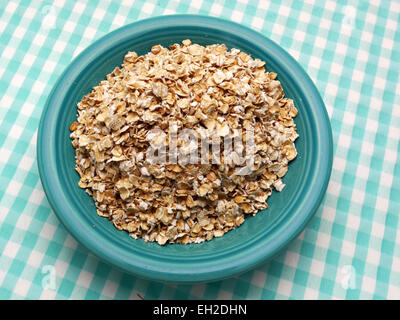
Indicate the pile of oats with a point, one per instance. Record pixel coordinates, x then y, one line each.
218 94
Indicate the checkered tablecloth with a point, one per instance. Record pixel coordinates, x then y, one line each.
351 247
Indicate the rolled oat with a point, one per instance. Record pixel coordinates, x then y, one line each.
137 136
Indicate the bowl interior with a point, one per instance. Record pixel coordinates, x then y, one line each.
255 232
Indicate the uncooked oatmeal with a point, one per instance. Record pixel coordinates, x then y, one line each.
182 144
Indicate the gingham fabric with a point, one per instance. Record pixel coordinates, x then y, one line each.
351 247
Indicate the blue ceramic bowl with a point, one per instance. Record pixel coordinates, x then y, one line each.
242 249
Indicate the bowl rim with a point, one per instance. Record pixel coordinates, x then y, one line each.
212 272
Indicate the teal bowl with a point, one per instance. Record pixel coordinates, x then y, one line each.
260 237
